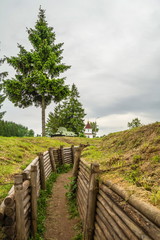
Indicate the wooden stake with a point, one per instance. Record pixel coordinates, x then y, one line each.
52 159
73 152
91 203
77 156
42 173
20 223
62 154
34 199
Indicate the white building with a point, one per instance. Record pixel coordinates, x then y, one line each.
88 131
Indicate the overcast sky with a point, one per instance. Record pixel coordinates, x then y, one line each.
113 47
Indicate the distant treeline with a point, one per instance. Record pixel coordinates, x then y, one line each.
11 129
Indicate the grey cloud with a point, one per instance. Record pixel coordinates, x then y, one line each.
113 47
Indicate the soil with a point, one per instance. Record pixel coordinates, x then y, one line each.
58 224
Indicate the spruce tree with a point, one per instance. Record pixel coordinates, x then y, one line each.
69 114
37 78
2 97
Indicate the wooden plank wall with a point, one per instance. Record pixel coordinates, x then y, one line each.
115 217
10 208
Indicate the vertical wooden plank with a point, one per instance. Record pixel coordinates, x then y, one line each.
91 203
42 173
20 223
77 156
34 199
62 155
52 159
73 153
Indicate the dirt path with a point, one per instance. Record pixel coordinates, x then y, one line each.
58 225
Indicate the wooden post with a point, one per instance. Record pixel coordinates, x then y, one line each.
77 156
52 159
42 173
62 154
73 153
20 223
76 163
34 199
91 203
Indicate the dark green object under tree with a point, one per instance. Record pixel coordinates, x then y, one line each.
37 78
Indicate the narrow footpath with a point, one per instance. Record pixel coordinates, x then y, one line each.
58 225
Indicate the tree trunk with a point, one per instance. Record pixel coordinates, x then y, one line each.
43 116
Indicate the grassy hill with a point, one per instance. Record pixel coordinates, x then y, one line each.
16 153
131 158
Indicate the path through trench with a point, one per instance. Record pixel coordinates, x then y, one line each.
58 224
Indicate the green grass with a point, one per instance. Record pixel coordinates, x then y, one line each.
16 153
131 157
42 205
72 207
43 198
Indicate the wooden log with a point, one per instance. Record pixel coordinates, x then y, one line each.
84 174
26 185
20 226
9 200
2 209
84 169
9 220
10 230
34 200
26 193
131 225
45 153
46 164
85 164
59 157
46 157
48 168
76 161
107 225
103 228
9 211
99 232
91 203
116 218
28 228
26 201
151 212
48 173
62 154
52 159
146 225
42 172
113 225
27 209
82 185
81 208
83 197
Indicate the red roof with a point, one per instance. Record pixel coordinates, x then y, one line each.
88 126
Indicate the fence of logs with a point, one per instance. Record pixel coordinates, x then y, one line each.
18 211
108 212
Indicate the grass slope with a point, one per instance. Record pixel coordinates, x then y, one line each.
16 153
131 158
